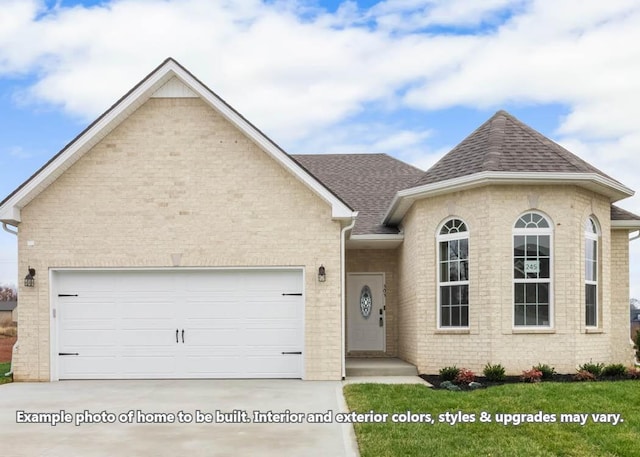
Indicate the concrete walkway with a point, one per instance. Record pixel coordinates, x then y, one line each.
238 398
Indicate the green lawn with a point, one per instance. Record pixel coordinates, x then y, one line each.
4 368
493 439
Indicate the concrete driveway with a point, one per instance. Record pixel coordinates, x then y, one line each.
128 403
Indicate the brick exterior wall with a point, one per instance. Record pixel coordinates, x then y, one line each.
177 178
380 261
490 213
621 345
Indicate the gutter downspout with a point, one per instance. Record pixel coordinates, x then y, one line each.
343 281
13 232
8 230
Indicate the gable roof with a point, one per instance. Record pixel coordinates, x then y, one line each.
504 150
168 78
367 182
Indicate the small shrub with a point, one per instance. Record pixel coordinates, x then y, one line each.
493 373
531 375
584 375
594 368
633 373
465 376
449 373
636 341
547 371
614 370
449 386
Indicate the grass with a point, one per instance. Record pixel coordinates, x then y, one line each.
4 368
493 439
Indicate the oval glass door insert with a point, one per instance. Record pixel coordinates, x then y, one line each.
366 302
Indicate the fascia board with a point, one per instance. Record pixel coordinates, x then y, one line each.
403 199
625 224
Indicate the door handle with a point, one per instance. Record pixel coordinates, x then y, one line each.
177 341
183 335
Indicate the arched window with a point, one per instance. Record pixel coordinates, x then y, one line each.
591 237
453 275
532 274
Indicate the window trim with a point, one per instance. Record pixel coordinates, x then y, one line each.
444 238
524 232
590 236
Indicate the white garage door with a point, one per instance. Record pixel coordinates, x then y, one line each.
179 324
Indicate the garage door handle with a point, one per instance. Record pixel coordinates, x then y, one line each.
68 353
183 335
294 352
177 340
297 295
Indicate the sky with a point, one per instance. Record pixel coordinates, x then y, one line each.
410 78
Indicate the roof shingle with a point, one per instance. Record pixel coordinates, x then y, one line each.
366 182
619 214
504 144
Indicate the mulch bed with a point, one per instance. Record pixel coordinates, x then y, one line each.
434 380
6 346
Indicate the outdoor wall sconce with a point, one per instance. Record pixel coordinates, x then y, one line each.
322 275
29 280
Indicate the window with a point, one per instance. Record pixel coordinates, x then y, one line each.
532 271
453 277
591 272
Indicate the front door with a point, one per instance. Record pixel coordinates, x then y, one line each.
365 312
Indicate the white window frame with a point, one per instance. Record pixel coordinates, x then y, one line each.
444 238
524 232
590 236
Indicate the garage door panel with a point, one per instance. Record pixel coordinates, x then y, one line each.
147 338
214 365
236 324
266 310
90 338
209 309
272 337
221 337
144 310
145 365
272 367
80 310
78 367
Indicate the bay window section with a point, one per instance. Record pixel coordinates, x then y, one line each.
453 275
532 271
591 272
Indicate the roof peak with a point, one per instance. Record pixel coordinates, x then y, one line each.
503 143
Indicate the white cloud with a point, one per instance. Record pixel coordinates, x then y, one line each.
306 76
409 15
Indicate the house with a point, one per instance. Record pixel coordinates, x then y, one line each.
173 239
8 311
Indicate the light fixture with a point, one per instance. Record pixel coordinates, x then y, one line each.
29 280
322 275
